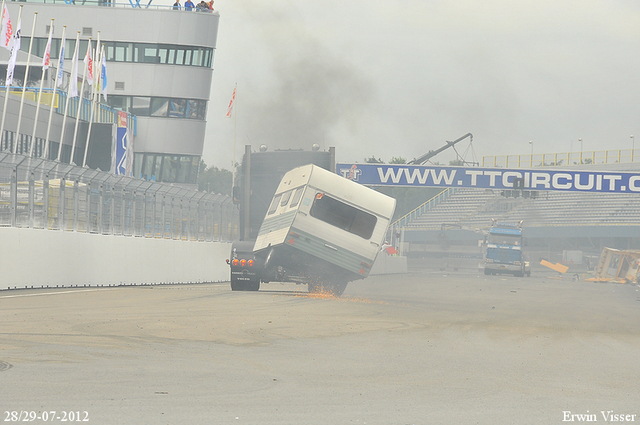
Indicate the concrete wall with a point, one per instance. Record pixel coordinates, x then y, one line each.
41 258
389 264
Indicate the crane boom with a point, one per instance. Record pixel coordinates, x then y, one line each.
424 158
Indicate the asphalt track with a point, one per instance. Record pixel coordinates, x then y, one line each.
422 348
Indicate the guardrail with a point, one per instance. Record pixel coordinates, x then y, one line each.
563 159
144 4
421 209
103 113
43 194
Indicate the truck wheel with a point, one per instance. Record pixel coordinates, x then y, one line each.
337 288
486 271
237 285
254 285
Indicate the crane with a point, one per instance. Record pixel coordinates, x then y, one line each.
427 156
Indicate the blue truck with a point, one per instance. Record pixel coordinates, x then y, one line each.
504 250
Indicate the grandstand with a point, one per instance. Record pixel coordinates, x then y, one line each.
554 221
474 208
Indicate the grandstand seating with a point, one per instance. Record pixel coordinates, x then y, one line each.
474 209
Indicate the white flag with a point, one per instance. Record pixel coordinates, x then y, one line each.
46 59
15 46
6 32
88 60
73 84
60 68
233 100
103 76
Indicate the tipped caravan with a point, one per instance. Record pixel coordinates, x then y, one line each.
321 229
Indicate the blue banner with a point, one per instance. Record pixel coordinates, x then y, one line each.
122 145
490 178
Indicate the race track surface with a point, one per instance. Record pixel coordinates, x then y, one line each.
427 347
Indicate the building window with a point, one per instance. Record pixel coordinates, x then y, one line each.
177 108
166 168
160 106
119 102
170 168
141 106
184 170
128 52
163 52
197 57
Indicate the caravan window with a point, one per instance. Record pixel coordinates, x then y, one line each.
274 204
285 198
296 197
346 217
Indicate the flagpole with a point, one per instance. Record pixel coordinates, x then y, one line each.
53 96
97 75
235 126
92 104
66 104
103 76
1 23
39 95
7 91
2 15
235 132
6 94
26 77
80 104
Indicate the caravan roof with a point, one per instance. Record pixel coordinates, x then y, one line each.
339 187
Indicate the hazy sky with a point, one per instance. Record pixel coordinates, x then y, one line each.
400 78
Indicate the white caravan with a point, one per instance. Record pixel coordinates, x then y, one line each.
321 229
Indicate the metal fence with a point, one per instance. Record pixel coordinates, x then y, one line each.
563 159
423 208
44 194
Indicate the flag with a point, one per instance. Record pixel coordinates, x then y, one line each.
15 46
46 59
233 100
88 61
60 69
73 84
103 76
7 29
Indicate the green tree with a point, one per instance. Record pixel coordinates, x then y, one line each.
456 163
398 160
214 179
373 160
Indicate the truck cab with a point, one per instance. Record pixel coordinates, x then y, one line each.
504 250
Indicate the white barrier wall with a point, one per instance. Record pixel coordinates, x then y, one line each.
389 264
40 258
